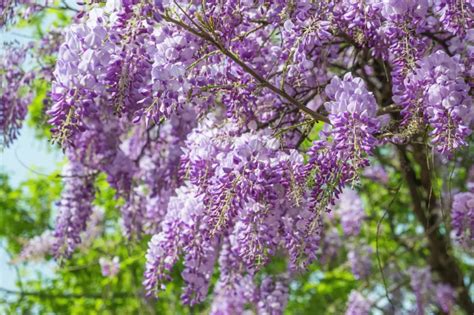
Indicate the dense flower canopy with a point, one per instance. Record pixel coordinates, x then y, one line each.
201 115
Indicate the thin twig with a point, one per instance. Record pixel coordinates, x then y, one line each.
48 295
379 261
204 35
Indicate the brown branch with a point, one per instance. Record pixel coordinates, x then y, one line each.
204 35
379 261
388 109
47 295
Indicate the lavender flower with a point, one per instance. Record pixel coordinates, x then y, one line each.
109 267
352 112
37 248
376 173
273 296
351 212
437 91
234 290
446 297
75 209
462 217
357 304
15 95
360 259
454 15
178 234
421 283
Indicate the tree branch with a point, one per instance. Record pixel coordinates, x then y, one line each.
47 295
204 35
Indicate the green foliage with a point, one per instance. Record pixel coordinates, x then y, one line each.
26 210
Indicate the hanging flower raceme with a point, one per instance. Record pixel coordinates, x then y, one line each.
359 258
103 68
357 304
361 20
37 248
455 15
353 111
405 21
462 217
181 233
75 209
15 95
351 211
109 267
273 296
437 91
421 284
338 160
157 172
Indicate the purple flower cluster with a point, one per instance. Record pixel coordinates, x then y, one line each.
359 258
361 20
352 112
351 211
109 267
437 91
445 297
11 10
455 15
357 304
75 209
339 159
233 289
428 293
462 217
103 68
422 285
405 21
173 52
37 248
180 234
15 95
376 173
196 115
273 296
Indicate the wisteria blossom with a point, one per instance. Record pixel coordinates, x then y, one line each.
234 136
357 304
351 211
15 96
109 267
462 217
